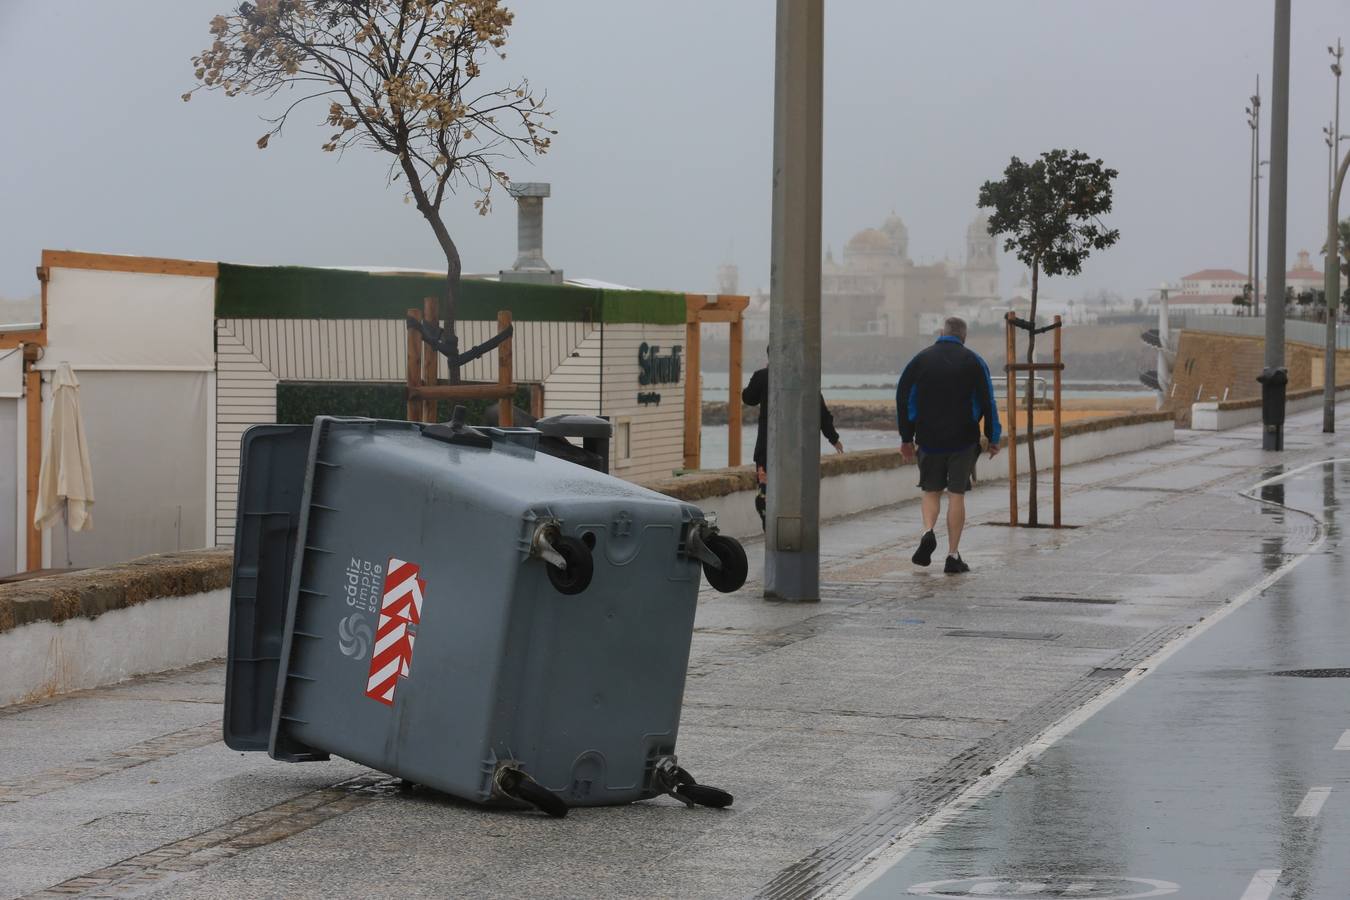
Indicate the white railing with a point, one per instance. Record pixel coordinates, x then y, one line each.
1304 332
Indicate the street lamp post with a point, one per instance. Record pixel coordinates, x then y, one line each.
1256 285
1254 123
1331 283
792 524
1272 413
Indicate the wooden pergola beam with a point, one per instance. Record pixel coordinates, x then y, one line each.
703 309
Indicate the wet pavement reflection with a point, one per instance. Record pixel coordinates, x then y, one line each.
1211 778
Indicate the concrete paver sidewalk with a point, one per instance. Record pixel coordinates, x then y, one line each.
835 724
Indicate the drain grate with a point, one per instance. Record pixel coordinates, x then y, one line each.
1037 598
1101 672
1004 635
1314 673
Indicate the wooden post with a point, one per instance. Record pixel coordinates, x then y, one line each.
736 370
1012 419
537 400
1059 373
693 396
430 362
33 408
505 416
414 369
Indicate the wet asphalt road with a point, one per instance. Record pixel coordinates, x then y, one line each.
1212 777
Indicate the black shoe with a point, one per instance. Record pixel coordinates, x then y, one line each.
924 555
956 565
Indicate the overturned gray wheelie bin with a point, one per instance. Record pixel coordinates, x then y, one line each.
451 606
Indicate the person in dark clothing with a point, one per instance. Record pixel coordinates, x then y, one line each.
756 393
942 395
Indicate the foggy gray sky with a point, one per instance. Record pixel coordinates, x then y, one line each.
661 170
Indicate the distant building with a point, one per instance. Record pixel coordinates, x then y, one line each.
1212 281
756 317
1212 291
877 289
728 279
979 276
1303 277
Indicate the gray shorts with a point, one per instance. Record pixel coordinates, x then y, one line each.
951 472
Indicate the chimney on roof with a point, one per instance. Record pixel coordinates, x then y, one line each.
530 265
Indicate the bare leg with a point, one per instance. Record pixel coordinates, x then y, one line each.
932 505
956 520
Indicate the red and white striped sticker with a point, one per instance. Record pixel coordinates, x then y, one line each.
400 611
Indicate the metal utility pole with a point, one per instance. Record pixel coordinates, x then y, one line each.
1327 131
1254 123
1256 287
1164 342
1272 414
792 528
1331 283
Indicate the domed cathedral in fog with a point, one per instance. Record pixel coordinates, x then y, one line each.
875 288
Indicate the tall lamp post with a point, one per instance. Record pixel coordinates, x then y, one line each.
792 525
1327 131
1331 285
1272 412
1256 284
1253 198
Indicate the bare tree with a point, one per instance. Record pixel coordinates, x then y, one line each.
400 77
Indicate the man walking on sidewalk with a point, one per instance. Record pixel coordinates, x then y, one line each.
943 394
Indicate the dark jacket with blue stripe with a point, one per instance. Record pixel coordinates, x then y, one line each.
943 394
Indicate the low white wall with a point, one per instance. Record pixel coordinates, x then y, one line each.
41 659
1208 416
855 492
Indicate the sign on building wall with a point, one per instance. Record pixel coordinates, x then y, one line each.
656 368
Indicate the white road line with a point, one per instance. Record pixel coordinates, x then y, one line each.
1312 802
1262 885
1344 742
877 863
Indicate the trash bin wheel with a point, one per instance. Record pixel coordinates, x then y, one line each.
735 567
580 566
541 798
519 786
704 795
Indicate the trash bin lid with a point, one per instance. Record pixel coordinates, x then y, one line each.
1273 376
574 426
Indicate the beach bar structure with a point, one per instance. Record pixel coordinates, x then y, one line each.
177 358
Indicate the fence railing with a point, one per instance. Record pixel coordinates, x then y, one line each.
1314 333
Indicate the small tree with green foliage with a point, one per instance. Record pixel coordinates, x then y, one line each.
1049 212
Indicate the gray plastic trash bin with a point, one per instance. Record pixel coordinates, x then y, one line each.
448 605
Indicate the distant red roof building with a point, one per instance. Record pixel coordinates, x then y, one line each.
1215 275
1213 281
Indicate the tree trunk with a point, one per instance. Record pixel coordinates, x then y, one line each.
453 270
453 265
1031 396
